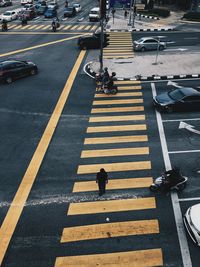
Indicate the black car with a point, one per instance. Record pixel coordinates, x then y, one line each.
69 11
178 99
41 10
12 69
92 41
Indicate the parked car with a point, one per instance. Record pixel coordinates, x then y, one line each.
9 15
53 5
192 223
94 14
178 99
50 13
28 7
77 7
149 43
41 10
40 3
27 14
92 41
24 2
11 70
4 3
69 11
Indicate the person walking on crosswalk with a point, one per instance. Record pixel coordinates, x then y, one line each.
102 180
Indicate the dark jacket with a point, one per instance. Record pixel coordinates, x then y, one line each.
102 177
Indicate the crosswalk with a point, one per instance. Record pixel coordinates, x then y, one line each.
120 45
45 27
119 144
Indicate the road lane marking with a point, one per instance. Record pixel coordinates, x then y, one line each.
117 102
38 46
118 95
113 184
115 139
118 128
134 87
108 230
115 152
189 199
105 206
117 118
194 119
184 151
114 167
118 109
13 215
128 82
139 258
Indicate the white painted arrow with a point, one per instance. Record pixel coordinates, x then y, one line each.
174 84
175 49
187 126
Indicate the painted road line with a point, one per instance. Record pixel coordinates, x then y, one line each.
12 26
134 87
108 230
118 95
139 258
117 118
114 167
118 109
13 215
81 27
117 102
87 27
67 27
61 27
94 28
118 128
39 46
115 139
74 27
32 27
113 184
118 53
39 27
115 152
128 82
46 27
111 206
18 27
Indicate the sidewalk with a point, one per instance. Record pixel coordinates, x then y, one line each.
169 64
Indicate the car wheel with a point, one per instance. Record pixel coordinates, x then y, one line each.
33 72
9 79
169 109
161 47
143 49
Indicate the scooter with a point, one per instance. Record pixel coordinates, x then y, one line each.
159 183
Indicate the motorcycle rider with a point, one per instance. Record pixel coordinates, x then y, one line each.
172 178
4 25
55 23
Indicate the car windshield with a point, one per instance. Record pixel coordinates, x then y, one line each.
176 94
94 12
7 14
69 8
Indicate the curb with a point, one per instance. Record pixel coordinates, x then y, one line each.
143 30
146 16
88 70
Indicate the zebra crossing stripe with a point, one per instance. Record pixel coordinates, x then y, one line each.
80 27
117 102
67 27
114 184
118 128
115 139
134 87
39 27
105 206
12 26
74 27
46 27
142 258
32 27
87 27
117 118
118 109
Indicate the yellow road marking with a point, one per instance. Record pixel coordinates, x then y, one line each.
81 27
67 27
127 82
42 33
117 118
114 167
94 28
116 50
39 27
38 46
118 109
87 27
12 26
61 27
108 230
113 184
46 27
140 258
32 27
12 217
120 54
17 27
114 56
119 95
116 139
117 102
111 206
119 128
74 27
134 87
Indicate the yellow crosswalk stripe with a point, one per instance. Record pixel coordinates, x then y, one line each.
74 27
61 27
94 28
115 139
118 95
117 102
18 27
113 184
118 109
117 118
114 167
117 50
115 152
122 56
111 206
140 258
32 27
118 54
39 27
12 26
119 128
46 27
134 87
87 27
108 230
81 27
67 27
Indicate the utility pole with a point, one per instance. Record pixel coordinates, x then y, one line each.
102 17
130 13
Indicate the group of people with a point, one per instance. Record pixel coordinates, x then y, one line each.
105 81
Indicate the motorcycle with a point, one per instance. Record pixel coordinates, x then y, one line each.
160 183
4 27
106 87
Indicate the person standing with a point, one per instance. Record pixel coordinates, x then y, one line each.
125 14
102 180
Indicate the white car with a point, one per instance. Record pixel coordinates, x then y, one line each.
77 7
9 15
192 223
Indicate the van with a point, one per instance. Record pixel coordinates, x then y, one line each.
23 2
5 3
94 14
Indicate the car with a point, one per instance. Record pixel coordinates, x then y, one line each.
4 3
41 10
69 12
50 13
52 5
149 43
27 14
9 15
24 2
94 14
92 41
28 7
192 223
77 7
12 69
183 98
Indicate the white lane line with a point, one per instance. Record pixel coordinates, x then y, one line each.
184 151
194 119
190 38
174 197
189 199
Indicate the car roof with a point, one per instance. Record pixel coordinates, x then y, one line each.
10 61
187 91
95 9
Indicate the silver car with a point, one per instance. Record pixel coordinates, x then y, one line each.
149 43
